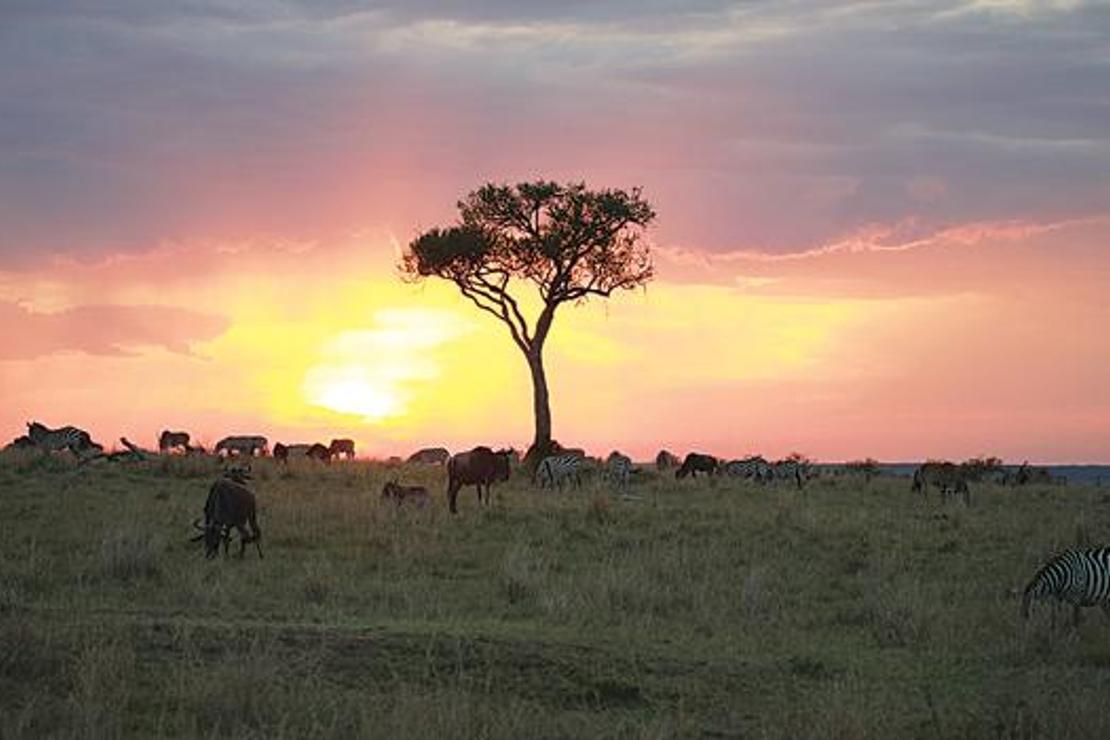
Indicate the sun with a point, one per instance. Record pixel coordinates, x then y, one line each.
349 390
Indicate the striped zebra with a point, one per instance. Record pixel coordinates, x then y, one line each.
558 470
792 470
618 468
243 445
1077 577
168 440
69 438
948 478
750 468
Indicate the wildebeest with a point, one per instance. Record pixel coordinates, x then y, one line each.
666 460
342 448
695 463
168 441
416 495
948 477
1027 474
479 467
430 456
230 504
314 451
69 438
20 443
243 445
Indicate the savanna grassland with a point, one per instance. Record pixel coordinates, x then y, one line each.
714 608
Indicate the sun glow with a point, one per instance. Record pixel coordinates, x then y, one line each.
370 373
349 391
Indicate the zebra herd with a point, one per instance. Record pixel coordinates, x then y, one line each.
1076 577
567 468
81 444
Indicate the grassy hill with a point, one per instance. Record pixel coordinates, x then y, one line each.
707 608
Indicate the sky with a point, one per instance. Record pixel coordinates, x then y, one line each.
882 226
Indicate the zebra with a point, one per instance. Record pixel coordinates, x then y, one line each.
69 438
750 468
1078 577
248 445
949 479
557 470
168 440
791 469
618 468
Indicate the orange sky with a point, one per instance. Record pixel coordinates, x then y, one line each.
986 340
882 227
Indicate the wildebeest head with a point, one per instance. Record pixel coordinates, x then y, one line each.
212 534
502 465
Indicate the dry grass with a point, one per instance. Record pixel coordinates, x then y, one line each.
684 608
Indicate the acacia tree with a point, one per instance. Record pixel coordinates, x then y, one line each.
568 242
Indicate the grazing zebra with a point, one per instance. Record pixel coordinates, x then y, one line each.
168 440
69 438
618 468
314 451
949 479
750 468
666 460
1078 577
243 445
342 448
558 470
791 469
430 456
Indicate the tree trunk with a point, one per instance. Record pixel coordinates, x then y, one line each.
541 407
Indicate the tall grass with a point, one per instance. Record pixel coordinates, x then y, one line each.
686 608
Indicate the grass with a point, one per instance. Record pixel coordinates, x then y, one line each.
707 608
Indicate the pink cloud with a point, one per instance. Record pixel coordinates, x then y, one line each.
102 330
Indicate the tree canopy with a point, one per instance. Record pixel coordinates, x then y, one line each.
570 242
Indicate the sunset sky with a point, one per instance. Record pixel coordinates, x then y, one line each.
883 230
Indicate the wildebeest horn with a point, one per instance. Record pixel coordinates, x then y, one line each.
196 523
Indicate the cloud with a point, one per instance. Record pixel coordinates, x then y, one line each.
102 330
774 124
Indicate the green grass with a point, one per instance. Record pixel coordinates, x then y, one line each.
706 608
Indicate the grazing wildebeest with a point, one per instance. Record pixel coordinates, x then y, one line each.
167 441
344 448
21 443
479 467
416 495
618 468
69 438
948 477
230 504
666 460
243 445
430 456
314 451
695 463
